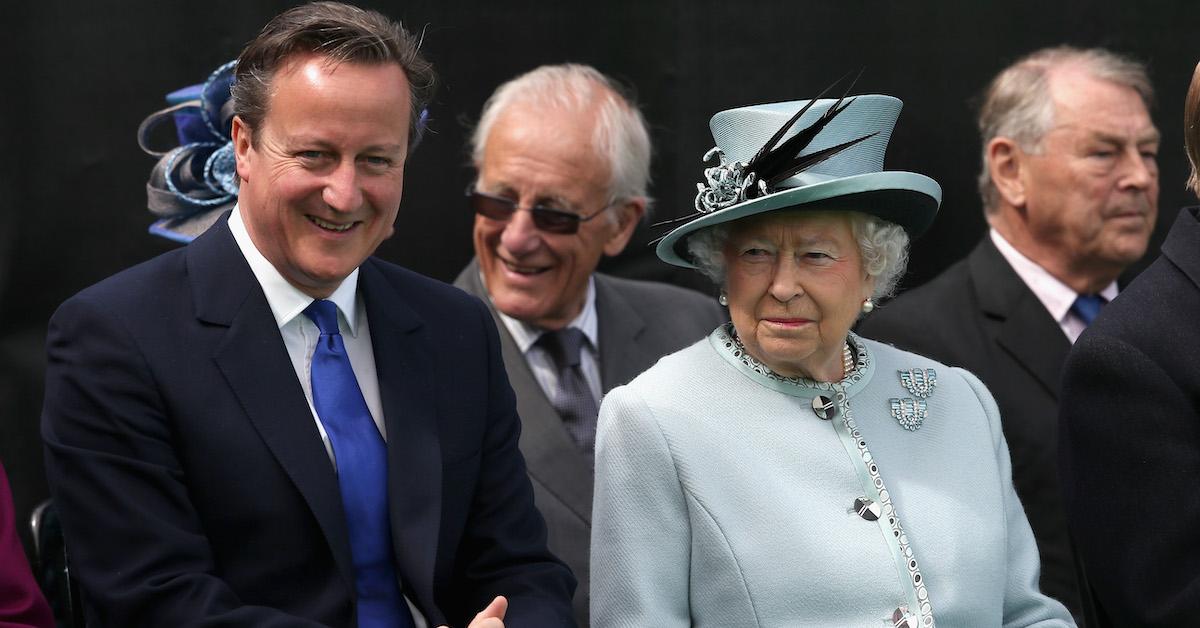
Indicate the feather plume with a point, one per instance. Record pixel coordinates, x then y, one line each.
774 164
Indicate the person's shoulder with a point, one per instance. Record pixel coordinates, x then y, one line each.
417 288
677 369
890 359
664 301
652 289
932 298
132 288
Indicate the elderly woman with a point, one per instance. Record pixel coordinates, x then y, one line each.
784 471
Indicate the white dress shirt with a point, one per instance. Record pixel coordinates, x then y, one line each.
1055 295
300 334
540 362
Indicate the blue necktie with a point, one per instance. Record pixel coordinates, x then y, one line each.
361 457
1087 306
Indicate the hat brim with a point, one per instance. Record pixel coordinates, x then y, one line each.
907 199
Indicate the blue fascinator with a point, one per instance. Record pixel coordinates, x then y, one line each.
195 182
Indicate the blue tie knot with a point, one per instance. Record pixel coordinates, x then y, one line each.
324 314
1087 306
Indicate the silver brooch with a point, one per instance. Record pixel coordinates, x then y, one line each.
727 184
911 413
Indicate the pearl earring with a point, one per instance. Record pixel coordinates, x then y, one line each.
867 306
723 299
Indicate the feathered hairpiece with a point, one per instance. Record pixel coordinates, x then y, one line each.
728 184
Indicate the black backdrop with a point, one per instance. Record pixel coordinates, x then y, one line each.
87 73
79 76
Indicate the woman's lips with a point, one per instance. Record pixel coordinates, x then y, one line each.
787 322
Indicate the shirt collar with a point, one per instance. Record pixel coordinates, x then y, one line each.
525 334
287 301
1056 296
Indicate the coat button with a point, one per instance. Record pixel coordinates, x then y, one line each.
866 509
824 407
901 617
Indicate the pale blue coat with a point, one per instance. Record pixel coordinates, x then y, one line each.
722 499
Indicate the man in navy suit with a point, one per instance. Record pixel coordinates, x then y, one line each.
219 419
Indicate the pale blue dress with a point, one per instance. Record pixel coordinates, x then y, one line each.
723 499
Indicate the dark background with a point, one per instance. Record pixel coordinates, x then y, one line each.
78 77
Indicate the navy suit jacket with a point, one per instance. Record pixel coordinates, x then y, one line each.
1130 444
193 485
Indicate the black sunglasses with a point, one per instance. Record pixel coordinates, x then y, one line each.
544 218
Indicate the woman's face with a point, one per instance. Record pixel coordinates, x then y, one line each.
795 283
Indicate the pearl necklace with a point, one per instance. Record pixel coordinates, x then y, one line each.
847 360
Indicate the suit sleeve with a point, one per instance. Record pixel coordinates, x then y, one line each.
641 537
135 541
504 545
1024 604
1130 461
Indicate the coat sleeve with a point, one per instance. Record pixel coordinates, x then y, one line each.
1024 604
136 542
641 535
1130 461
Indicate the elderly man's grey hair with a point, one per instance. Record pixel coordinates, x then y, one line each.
620 136
882 244
1018 105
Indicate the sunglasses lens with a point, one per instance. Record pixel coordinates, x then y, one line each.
492 207
555 221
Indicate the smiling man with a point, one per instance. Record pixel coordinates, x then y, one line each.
270 427
564 162
1070 190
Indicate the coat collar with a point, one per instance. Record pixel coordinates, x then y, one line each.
1025 329
1181 248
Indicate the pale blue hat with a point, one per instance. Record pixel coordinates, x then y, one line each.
829 157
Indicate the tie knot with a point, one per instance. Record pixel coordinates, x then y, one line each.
563 345
324 314
1087 306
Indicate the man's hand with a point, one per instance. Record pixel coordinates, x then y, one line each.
490 617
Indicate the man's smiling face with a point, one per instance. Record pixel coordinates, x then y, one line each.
547 158
322 179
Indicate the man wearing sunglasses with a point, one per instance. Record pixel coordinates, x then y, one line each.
563 160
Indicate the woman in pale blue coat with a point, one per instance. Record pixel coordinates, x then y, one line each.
784 471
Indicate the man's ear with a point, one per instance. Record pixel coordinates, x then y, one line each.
1006 166
242 147
629 213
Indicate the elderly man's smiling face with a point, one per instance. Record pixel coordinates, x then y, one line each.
546 157
322 180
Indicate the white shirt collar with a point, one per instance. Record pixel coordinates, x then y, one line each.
525 334
1056 296
287 301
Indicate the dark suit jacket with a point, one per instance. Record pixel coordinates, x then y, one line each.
979 315
638 323
192 482
1130 443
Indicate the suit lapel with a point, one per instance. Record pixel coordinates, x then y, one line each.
255 363
1180 245
551 457
402 348
1026 330
619 327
